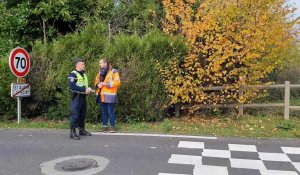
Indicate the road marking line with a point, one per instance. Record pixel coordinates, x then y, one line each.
185 159
241 147
247 164
277 172
170 174
280 157
154 135
216 153
296 165
291 150
211 170
193 145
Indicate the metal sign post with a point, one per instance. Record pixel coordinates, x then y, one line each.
19 109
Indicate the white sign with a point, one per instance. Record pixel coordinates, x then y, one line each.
19 62
20 90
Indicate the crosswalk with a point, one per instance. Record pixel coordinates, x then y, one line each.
236 159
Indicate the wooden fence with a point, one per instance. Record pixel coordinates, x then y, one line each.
286 104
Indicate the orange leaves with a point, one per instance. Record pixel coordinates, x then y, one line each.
227 40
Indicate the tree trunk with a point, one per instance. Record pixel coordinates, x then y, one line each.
44 31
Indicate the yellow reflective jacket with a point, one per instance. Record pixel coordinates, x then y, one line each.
81 81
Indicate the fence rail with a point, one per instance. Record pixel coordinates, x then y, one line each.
286 104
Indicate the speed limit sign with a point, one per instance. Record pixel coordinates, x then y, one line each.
19 62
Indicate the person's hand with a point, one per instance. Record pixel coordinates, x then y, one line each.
99 85
88 90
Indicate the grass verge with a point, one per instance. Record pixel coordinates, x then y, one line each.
246 126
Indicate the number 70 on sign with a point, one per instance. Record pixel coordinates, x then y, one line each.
19 62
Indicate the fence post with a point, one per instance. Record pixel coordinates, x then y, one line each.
287 100
177 110
241 94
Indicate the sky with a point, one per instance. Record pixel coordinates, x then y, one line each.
298 6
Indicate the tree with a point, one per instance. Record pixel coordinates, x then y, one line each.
52 10
13 22
231 43
135 16
24 21
70 13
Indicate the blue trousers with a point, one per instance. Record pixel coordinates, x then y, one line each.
78 111
108 111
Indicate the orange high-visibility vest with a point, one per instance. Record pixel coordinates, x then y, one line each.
108 93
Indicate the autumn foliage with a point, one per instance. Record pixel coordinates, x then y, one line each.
231 43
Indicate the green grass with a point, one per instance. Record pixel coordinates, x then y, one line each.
295 101
229 126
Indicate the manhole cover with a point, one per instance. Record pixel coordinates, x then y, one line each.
76 164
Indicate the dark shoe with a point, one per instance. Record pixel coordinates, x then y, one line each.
104 129
83 132
73 134
112 130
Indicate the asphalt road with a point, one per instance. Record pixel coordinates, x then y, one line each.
22 151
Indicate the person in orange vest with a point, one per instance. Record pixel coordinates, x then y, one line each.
107 82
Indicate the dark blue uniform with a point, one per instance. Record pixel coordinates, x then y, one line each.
78 102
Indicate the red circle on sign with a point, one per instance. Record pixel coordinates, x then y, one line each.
12 56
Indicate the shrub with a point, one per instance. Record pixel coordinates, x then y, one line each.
52 63
229 45
8 105
141 94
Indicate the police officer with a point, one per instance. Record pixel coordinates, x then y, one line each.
78 84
